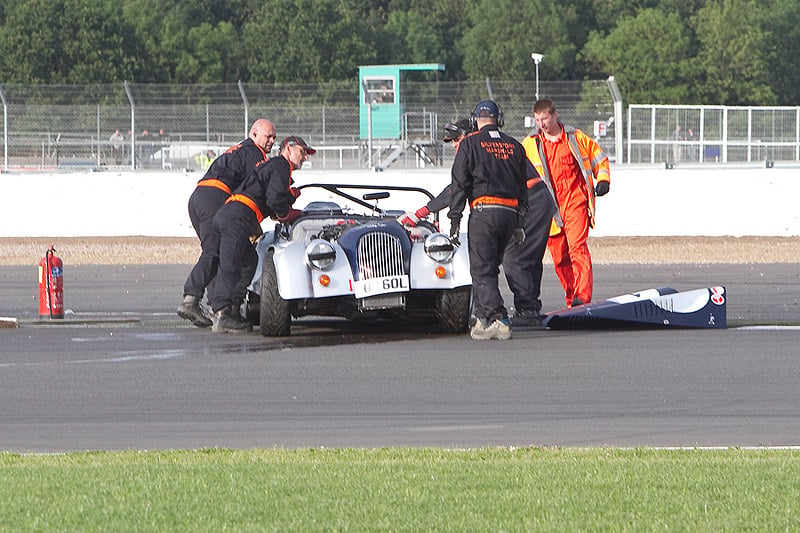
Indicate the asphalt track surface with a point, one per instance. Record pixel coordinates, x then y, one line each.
121 371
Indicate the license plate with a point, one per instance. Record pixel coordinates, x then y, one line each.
371 287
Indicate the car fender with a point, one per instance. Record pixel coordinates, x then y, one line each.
457 269
263 244
297 279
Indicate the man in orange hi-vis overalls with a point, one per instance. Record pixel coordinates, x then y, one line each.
575 169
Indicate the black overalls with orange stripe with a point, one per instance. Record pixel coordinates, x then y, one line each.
522 264
224 175
489 172
264 193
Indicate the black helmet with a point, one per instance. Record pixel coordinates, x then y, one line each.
453 131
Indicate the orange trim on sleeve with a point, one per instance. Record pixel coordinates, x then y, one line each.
533 181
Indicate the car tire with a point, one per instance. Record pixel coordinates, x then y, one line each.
453 309
276 317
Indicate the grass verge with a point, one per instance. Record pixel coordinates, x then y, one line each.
400 489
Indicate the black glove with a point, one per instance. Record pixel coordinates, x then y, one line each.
519 235
454 229
601 188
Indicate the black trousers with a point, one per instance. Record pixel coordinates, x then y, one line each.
490 229
522 264
234 223
203 205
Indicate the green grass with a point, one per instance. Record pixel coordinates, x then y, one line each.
399 489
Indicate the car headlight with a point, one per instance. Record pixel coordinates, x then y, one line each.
320 254
439 248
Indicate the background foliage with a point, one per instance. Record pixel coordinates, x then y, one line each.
730 52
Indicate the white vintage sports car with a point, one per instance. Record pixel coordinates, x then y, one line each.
350 258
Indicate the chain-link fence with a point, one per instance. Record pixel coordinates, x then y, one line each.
48 127
174 126
686 134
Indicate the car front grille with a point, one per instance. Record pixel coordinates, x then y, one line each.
379 255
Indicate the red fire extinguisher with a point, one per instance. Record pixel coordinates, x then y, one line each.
51 285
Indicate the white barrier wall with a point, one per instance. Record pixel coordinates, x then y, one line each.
643 201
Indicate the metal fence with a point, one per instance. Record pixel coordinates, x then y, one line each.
172 126
686 134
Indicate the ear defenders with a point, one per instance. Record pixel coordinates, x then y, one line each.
489 108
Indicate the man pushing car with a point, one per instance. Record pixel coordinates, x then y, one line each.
265 192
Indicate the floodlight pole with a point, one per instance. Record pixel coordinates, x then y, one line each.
371 97
537 58
5 130
133 123
246 104
618 132
369 135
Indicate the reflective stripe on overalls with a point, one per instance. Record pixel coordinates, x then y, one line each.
494 202
246 200
214 182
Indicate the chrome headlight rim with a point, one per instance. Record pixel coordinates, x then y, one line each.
320 254
439 248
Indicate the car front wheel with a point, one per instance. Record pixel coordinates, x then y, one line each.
453 309
276 317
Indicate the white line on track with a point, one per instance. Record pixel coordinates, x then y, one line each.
770 328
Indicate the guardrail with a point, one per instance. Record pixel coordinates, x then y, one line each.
675 134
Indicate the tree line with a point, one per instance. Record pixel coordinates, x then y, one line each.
726 52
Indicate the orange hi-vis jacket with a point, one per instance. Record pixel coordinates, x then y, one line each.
590 157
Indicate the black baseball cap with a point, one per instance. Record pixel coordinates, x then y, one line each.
297 140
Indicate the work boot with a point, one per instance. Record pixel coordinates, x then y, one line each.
224 322
527 318
478 329
499 329
236 313
190 310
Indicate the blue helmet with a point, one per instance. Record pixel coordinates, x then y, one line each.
488 109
